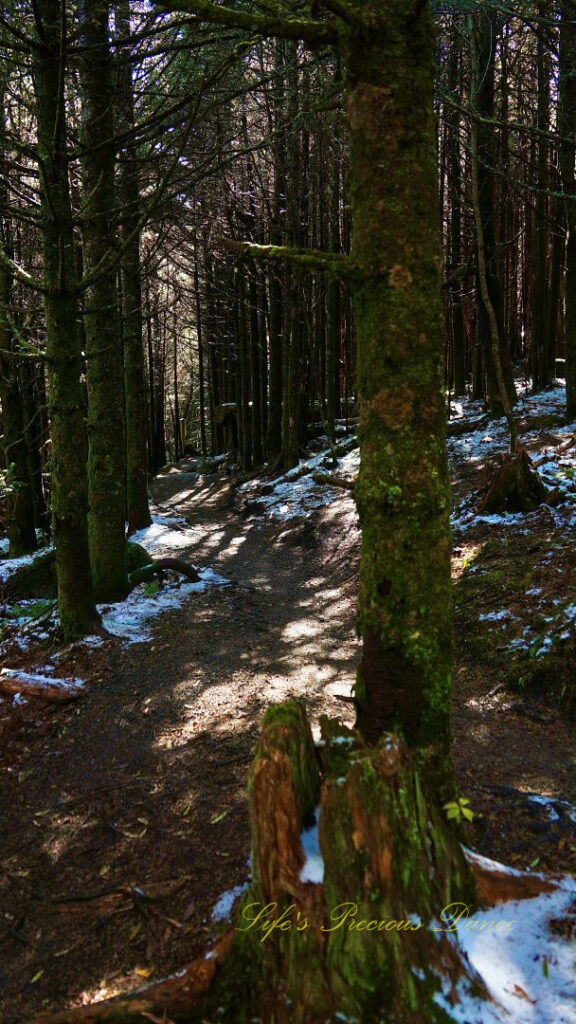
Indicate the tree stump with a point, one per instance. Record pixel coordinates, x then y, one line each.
363 942
512 484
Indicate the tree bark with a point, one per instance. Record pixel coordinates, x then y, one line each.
138 511
64 359
19 498
104 375
567 131
403 496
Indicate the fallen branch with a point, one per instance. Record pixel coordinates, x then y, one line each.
333 481
29 684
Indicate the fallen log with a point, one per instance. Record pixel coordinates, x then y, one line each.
32 684
333 481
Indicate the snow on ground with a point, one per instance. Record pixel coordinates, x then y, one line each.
166 535
132 619
296 494
525 953
222 909
558 472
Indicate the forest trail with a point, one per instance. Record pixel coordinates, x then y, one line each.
124 815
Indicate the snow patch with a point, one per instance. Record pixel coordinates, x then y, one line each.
313 869
131 619
222 909
496 616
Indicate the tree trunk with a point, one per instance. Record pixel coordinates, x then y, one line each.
277 282
65 365
455 186
496 360
201 360
19 496
482 202
104 375
138 512
403 496
540 340
567 131
34 406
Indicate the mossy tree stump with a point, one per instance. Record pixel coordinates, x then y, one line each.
512 484
358 945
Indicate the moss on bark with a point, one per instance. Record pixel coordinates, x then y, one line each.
63 353
402 492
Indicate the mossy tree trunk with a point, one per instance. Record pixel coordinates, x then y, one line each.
402 494
64 358
104 376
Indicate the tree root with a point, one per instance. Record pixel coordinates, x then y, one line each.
146 573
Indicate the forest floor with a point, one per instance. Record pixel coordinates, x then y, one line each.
124 816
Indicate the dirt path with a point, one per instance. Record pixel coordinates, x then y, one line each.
124 816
